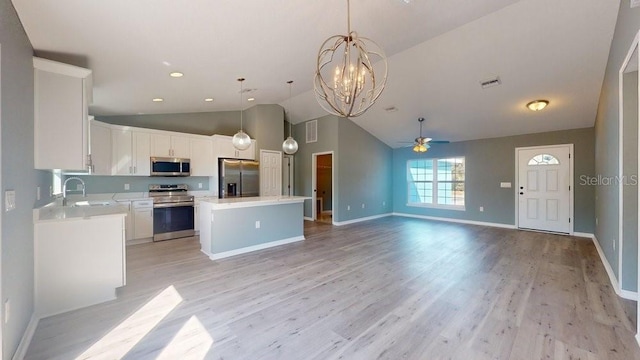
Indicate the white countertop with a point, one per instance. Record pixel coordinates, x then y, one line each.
232 203
60 213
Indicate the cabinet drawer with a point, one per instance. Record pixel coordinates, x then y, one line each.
143 204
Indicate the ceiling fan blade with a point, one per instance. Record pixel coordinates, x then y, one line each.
439 142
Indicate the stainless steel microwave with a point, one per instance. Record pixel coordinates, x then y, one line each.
162 166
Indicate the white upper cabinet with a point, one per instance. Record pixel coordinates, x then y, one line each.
164 145
99 148
62 94
130 152
223 148
202 162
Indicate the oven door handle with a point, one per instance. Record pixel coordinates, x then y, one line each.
175 204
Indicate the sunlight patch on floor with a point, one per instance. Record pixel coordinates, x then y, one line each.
119 341
191 342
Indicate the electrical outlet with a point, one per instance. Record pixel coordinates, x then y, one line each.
7 311
126 186
38 193
9 200
348 207
481 208
50 191
614 245
363 206
257 224
199 185
596 221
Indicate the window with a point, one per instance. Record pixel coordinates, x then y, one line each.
436 183
56 188
543 159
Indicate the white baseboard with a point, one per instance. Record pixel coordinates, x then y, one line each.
247 249
340 223
461 221
625 294
21 351
584 235
308 218
638 339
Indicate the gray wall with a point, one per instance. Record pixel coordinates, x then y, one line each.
629 186
18 174
265 123
491 161
606 140
361 168
365 168
115 184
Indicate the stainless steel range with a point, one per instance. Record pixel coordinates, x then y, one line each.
173 213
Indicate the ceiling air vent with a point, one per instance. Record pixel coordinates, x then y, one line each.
391 109
312 131
490 82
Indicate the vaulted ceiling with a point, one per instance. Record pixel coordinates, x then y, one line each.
438 53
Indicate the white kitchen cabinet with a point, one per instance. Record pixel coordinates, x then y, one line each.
143 219
202 157
74 269
130 152
164 145
62 94
223 148
196 216
128 220
99 148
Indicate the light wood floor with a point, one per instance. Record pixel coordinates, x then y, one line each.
392 288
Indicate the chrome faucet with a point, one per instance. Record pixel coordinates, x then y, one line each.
64 189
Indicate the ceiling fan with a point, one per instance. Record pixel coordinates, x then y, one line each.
421 143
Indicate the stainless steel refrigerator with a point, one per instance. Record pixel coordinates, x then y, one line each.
238 178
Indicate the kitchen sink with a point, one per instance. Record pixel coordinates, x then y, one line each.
92 203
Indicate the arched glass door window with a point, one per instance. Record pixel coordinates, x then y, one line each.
544 159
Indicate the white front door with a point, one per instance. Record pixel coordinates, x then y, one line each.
270 173
544 188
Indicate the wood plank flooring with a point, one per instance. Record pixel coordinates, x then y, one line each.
393 288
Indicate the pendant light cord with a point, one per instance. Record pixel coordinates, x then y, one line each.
290 82
241 80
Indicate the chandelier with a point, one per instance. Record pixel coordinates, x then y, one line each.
290 145
241 140
345 83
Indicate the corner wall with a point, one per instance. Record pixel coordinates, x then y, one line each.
606 144
18 174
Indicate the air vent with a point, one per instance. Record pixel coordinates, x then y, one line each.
312 131
490 82
635 3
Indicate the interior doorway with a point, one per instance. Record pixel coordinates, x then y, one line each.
287 175
544 197
322 204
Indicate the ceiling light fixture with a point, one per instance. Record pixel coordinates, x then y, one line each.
290 145
421 142
241 140
251 99
208 99
537 105
345 83
157 100
176 74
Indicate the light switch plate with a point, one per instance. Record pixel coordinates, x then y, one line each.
9 200
505 185
126 186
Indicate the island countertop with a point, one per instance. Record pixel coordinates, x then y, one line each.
61 213
240 202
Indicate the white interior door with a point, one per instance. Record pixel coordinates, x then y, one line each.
270 173
544 188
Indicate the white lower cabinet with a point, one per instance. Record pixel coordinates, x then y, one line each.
78 262
128 221
143 219
196 217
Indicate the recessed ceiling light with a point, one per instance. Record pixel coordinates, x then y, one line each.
208 99
157 100
176 74
251 99
537 105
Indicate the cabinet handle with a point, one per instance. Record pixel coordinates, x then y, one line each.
135 169
130 168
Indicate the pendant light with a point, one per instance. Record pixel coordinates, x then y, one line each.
345 83
241 140
290 146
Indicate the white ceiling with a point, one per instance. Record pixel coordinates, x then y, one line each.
438 52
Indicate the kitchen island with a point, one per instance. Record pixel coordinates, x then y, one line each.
234 226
